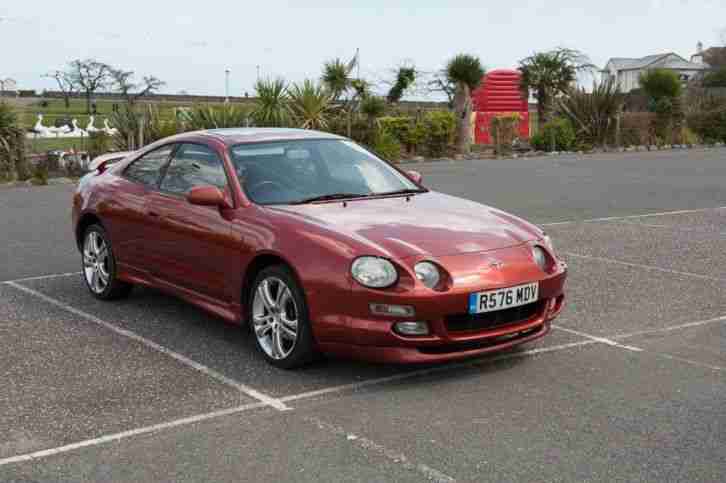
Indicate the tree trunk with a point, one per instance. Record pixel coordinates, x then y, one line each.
22 170
462 109
541 109
88 102
67 101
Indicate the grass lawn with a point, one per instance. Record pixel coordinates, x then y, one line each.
42 145
56 109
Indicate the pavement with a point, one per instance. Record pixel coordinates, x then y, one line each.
629 386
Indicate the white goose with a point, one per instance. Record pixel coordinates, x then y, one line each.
90 127
60 131
77 132
41 130
108 129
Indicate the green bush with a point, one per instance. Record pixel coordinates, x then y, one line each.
439 128
40 174
386 145
98 143
410 134
556 135
709 125
660 83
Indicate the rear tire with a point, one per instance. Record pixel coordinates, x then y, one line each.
99 266
279 319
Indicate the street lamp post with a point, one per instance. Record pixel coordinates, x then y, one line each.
226 85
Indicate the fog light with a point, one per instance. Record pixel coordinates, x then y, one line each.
411 328
392 310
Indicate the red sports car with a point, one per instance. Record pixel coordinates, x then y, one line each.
318 245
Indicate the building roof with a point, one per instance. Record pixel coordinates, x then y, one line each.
670 60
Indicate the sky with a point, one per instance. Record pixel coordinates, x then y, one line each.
189 44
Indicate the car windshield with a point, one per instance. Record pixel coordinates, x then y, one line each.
301 171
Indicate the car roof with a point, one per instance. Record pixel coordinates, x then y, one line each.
231 136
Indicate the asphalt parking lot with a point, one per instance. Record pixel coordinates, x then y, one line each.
630 386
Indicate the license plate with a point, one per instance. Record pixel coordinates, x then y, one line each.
503 298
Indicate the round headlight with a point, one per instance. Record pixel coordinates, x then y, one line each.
540 257
374 272
427 273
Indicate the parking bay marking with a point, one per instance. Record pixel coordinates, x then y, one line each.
628 217
330 390
645 267
243 388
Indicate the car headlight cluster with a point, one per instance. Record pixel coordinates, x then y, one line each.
540 257
374 272
428 274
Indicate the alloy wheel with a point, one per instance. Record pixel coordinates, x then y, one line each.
275 318
96 262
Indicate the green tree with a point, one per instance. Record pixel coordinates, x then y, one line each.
660 84
715 78
271 105
593 114
466 72
89 76
336 77
548 75
310 105
405 77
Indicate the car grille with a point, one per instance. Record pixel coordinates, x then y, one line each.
491 320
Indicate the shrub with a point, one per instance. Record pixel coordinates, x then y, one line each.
98 143
410 133
660 83
504 131
556 135
709 125
439 128
40 173
386 145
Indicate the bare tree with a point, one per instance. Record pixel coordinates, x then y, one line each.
441 83
123 82
89 76
65 84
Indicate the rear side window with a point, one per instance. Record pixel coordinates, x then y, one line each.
194 165
147 169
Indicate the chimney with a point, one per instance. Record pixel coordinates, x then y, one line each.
699 47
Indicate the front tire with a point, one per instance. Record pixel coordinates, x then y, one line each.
279 319
99 266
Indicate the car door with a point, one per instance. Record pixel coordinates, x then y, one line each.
125 214
193 245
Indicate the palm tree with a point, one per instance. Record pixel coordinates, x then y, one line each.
466 72
12 145
550 74
271 109
594 114
309 105
336 77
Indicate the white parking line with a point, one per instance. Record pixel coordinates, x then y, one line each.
42 277
426 471
628 217
595 338
690 362
243 388
127 434
671 328
432 370
238 409
645 267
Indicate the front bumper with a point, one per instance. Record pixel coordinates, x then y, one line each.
373 339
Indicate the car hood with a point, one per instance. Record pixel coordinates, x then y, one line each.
430 223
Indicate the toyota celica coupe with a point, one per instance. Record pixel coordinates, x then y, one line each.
318 245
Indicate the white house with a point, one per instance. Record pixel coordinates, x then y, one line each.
626 71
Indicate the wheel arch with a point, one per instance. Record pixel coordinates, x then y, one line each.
84 222
256 265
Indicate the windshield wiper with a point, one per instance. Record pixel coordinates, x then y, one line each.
407 191
331 196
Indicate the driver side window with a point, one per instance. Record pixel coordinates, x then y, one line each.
193 165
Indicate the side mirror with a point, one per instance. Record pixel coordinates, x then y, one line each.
415 176
207 196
